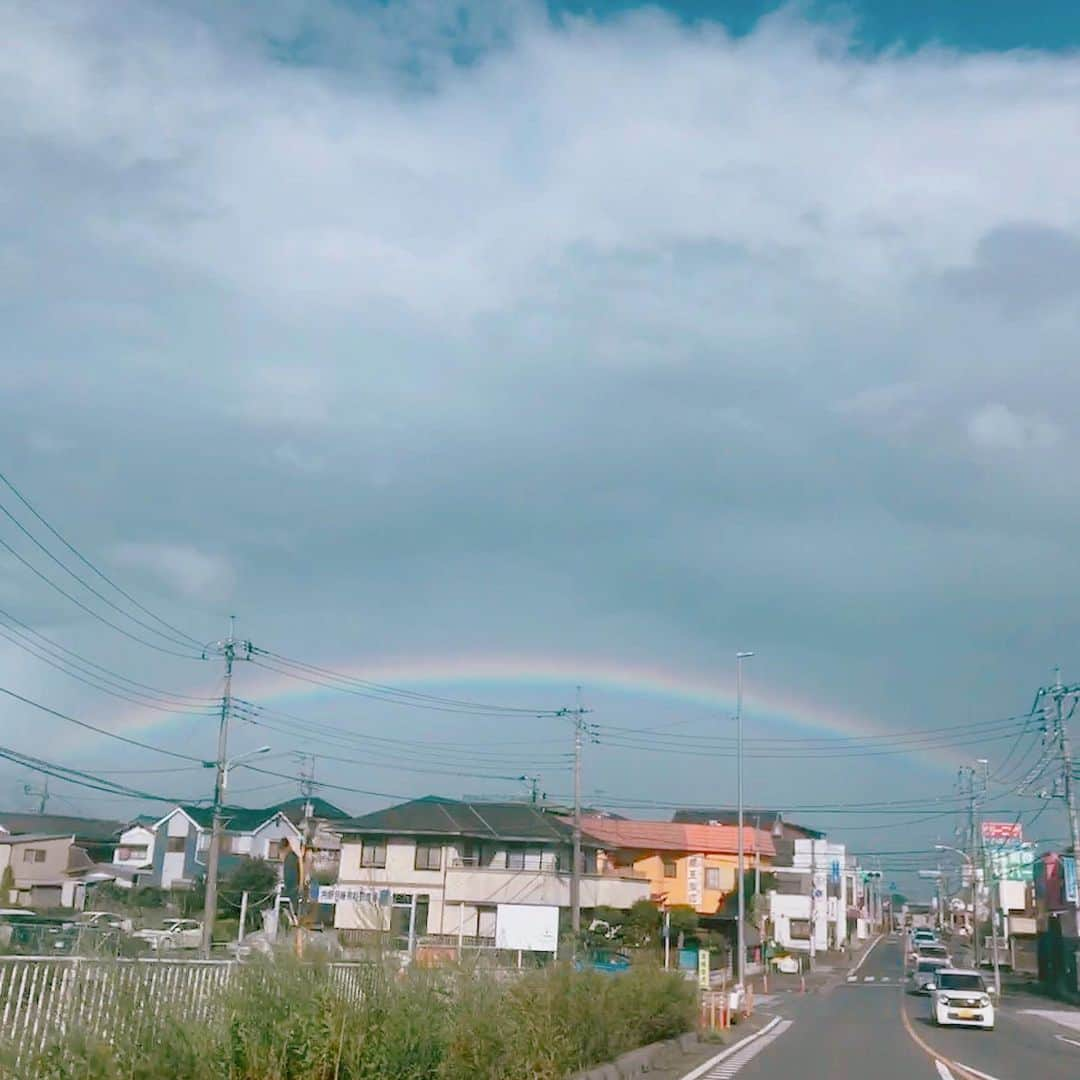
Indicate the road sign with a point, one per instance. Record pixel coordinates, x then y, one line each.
703 969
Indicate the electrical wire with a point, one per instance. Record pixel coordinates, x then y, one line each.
90 566
91 612
99 730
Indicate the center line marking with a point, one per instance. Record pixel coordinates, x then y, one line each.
943 1071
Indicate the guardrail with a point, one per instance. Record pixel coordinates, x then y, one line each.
44 997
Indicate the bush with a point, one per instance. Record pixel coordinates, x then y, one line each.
284 1021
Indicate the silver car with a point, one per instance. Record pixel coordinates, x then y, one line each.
924 974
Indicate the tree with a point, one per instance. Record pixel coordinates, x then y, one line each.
642 923
257 877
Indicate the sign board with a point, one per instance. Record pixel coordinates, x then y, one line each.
1002 832
703 969
350 894
695 872
1068 866
834 872
1014 862
529 927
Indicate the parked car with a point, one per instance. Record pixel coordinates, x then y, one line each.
103 920
175 934
607 961
960 996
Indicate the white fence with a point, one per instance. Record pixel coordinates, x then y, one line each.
43 997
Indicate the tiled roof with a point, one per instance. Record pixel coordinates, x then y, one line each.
673 836
433 816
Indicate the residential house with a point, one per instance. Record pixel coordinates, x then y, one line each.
436 866
772 821
96 836
323 845
134 852
45 867
182 841
691 865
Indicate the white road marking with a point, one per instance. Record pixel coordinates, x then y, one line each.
862 959
943 1071
701 1070
985 1076
1066 1039
884 978
868 978
730 1066
1056 1016
853 978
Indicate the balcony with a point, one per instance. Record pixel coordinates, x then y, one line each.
489 885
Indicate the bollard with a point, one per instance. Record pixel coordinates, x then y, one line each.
802 984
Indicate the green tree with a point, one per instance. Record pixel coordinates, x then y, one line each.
642 924
257 877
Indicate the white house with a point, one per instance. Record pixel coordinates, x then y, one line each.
134 852
813 898
439 868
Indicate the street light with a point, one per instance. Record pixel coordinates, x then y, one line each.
975 914
223 766
741 930
233 762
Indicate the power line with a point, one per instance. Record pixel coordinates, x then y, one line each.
90 566
99 730
90 611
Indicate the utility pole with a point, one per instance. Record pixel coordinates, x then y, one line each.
741 930
534 787
966 782
1068 778
228 649
578 716
42 794
757 856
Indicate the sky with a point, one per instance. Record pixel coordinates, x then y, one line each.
485 349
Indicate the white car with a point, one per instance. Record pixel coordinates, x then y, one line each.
174 934
960 996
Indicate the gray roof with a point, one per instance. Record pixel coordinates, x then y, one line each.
433 816
93 830
769 820
33 838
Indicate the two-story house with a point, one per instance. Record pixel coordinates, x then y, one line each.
133 855
439 867
686 865
182 841
41 865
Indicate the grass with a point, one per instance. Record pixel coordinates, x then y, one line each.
286 1022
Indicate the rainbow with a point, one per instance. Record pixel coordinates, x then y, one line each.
523 673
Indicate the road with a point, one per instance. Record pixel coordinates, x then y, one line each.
871 1027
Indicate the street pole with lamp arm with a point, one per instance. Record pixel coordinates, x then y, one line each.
740 935
974 913
210 905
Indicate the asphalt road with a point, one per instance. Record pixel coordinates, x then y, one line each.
872 1027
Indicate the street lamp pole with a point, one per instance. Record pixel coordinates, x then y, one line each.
974 912
741 929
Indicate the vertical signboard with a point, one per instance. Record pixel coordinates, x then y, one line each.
695 868
703 969
1072 892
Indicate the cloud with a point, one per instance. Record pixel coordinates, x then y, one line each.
440 328
192 573
997 427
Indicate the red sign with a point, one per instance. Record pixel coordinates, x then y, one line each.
998 832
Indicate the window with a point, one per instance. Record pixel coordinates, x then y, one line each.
712 878
132 851
520 857
670 868
428 856
278 849
33 854
175 844
373 853
800 929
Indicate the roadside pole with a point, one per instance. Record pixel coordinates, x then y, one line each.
813 902
667 939
243 917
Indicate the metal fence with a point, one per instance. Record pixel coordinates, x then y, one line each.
44 997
